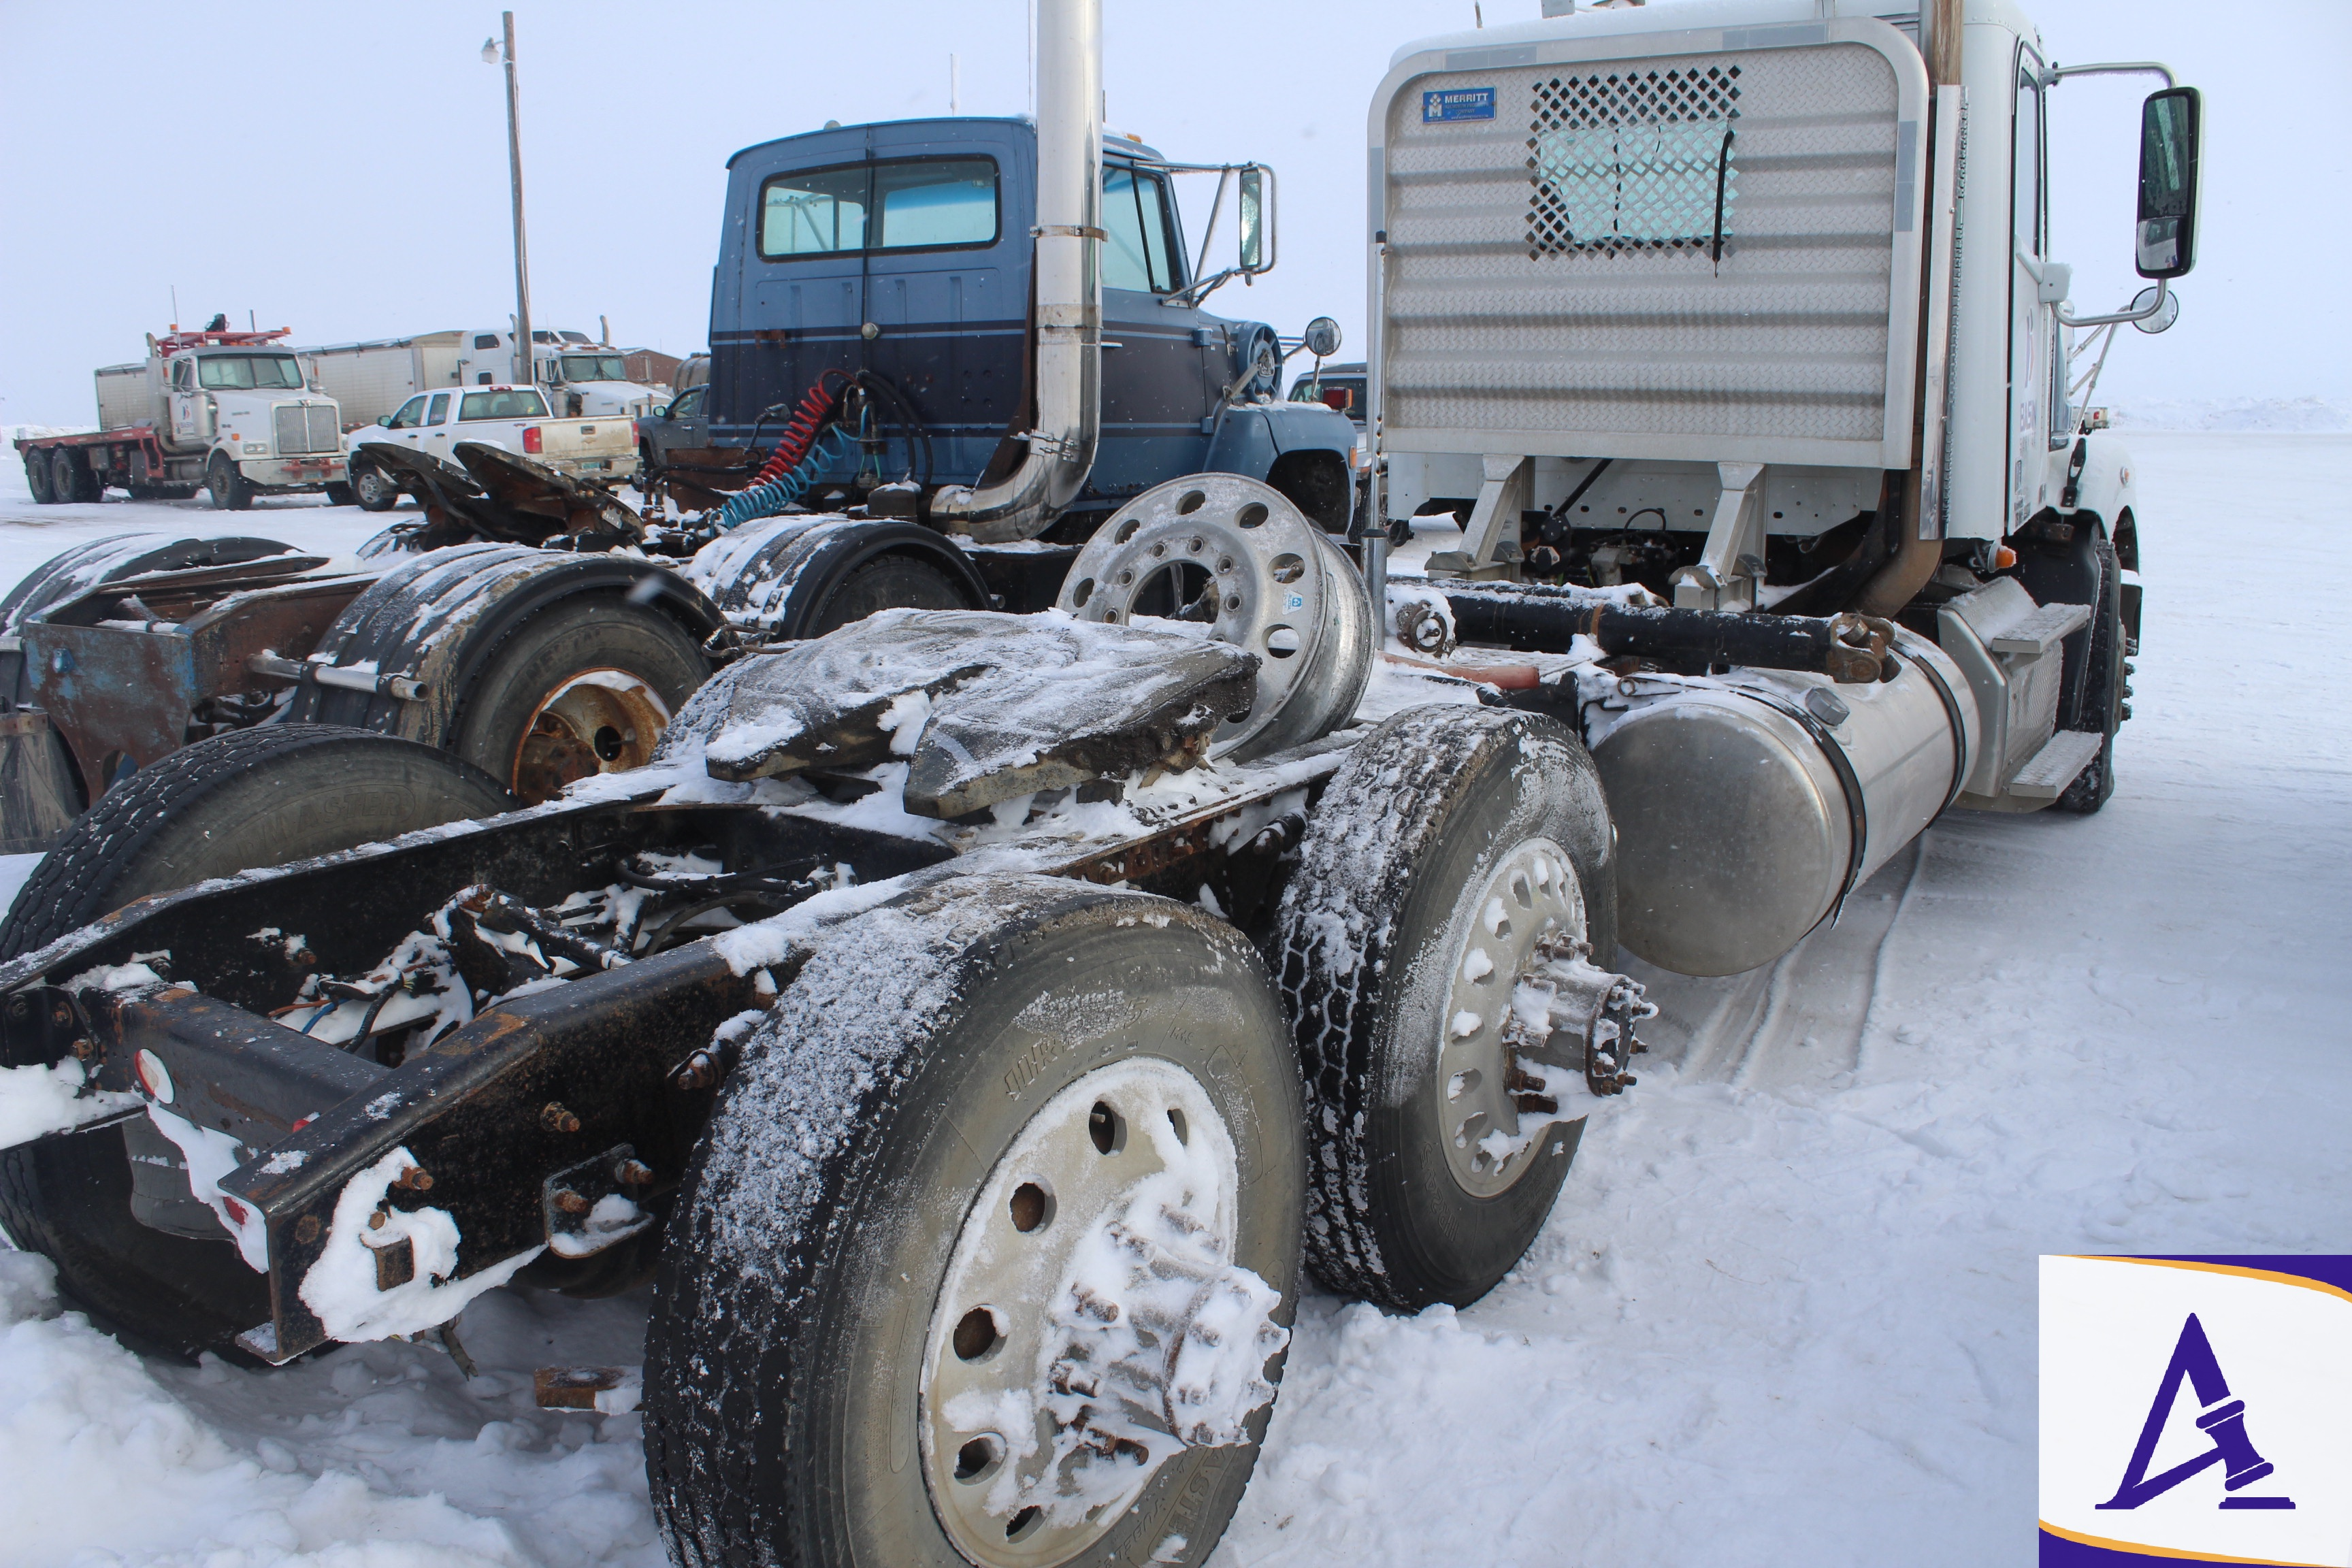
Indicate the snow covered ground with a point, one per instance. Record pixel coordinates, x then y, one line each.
1784 1311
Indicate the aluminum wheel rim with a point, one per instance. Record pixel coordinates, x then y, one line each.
1283 592
1490 1142
1045 1196
602 720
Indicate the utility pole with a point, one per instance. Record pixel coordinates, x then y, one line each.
491 54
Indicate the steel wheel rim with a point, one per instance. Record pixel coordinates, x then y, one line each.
1530 892
1052 1190
602 720
1274 580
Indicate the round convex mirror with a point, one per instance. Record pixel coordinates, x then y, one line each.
1322 337
2162 319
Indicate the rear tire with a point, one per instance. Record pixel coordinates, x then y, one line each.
339 495
70 479
534 661
1370 931
229 489
786 1359
255 797
372 489
37 477
888 583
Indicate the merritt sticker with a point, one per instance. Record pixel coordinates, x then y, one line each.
1444 105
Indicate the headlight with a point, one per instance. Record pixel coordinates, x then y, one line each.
257 449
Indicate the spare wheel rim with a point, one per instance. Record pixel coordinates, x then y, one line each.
600 721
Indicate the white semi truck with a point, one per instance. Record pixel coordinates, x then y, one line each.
231 413
581 378
1079 979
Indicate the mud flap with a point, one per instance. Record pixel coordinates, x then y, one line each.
40 796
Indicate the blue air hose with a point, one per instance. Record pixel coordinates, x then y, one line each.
768 500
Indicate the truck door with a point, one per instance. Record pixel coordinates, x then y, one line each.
187 404
1154 393
2033 325
434 435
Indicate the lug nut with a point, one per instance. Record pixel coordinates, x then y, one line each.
571 1203
415 1179
634 1173
555 1118
306 1230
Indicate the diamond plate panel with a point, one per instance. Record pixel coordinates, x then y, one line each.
1561 276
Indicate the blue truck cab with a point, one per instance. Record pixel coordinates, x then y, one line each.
904 248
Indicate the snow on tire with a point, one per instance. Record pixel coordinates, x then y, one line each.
991 1129
1393 907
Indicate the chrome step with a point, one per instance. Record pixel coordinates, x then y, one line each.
2058 763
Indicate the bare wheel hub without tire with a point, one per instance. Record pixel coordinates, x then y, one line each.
1092 1323
1533 1033
596 721
1237 558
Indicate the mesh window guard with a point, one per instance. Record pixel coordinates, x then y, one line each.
1633 162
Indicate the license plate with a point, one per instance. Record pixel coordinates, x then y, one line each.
591 462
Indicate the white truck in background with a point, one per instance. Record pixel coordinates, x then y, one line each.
513 418
227 412
580 374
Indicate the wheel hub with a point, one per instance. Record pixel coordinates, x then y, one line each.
1093 1323
598 720
1499 1084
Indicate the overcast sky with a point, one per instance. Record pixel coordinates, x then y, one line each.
342 170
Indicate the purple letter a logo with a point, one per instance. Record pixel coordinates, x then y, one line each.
2224 1421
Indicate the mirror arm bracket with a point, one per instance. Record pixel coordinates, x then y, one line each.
2153 307
2127 67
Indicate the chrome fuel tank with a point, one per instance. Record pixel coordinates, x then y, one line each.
1748 806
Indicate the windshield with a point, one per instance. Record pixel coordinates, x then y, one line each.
594 367
505 403
224 372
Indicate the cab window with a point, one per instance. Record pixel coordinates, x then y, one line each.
908 204
507 403
2025 190
817 214
1138 253
486 340
411 415
440 409
225 373
686 404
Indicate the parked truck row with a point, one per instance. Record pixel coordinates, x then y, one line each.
968 950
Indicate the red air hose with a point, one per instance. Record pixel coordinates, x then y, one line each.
799 434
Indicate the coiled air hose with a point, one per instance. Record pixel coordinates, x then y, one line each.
768 498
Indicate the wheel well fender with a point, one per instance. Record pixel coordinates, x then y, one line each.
777 574
434 620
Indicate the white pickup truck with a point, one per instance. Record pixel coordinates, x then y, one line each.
513 418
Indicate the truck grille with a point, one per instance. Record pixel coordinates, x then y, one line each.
306 429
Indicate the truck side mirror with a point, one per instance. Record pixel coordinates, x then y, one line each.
385 420
2164 243
1257 220
1321 338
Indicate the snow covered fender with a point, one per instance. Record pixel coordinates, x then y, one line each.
433 619
776 576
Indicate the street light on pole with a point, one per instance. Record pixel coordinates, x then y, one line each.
492 54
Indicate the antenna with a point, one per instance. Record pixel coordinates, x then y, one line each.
175 306
953 106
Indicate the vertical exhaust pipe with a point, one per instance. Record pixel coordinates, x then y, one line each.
1066 346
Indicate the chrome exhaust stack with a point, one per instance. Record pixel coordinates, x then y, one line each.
1066 348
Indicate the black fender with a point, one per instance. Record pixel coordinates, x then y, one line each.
774 575
434 620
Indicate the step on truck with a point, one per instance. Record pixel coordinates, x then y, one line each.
228 413
976 1024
